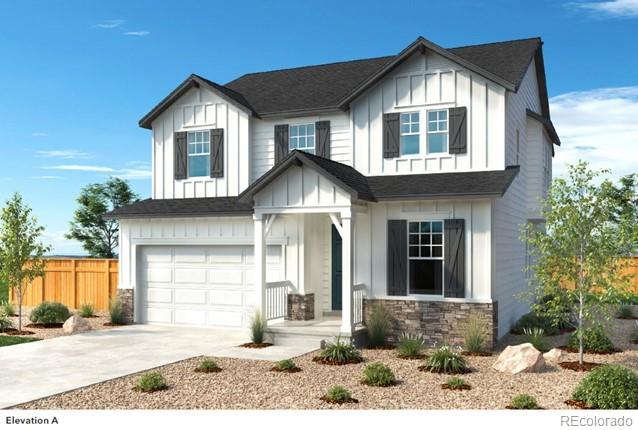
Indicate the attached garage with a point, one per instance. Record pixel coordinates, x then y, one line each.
206 286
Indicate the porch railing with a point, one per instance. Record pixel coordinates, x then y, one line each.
276 299
358 293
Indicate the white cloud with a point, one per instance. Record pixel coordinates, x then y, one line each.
599 126
110 23
39 134
61 245
611 8
82 168
134 170
47 177
140 33
63 153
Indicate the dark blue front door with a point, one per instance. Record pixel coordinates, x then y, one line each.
336 270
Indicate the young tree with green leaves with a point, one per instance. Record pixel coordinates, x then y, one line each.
21 251
99 236
581 251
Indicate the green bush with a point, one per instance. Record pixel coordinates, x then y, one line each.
87 310
474 335
378 325
456 383
524 401
378 375
208 366
625 312
340 352
5 322
116 311
257 327
410 346
557 304
594 340
536 336
609 387
339 394
446 360
49 313
286 364
531 321
150 382
7 307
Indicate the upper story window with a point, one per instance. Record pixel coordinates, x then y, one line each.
198 153
437 131
410 131
425 257
302 137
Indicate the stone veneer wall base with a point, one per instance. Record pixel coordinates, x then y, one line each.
301 307
125 295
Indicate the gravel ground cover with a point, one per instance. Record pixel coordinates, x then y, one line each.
97 323
249 384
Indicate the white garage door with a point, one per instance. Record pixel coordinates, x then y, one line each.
201 285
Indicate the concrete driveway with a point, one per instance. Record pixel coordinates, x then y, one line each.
30 371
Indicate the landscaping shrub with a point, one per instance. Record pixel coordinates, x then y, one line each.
5 322
456 383
285 365
208 366
378 325
7 307
625 312
378 375
339 394
556 303
474 335
116 311
524 401
86 310
446 360
609 387
594 340
410 346
531 321
150 382
536 336
257 327
49 313
340 352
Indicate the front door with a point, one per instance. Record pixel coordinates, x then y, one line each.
337 276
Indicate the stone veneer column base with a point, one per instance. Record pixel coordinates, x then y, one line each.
437 322
125 295
301 307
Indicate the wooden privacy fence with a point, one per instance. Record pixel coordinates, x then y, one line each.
74 282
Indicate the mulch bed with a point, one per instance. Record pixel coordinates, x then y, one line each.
154 390
16 332
40 325
627 318
578 404
334 402
510 407
382 347
293 370
456 387
255 345
426 368
476 354
110 324
328 362
576 367
213 370
590 351
412 357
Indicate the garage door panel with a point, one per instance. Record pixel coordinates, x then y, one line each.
190 276
190 317
159 295
229 298
193 297
225 318
157 275
159 315
226 277
157 254
190 254
226 255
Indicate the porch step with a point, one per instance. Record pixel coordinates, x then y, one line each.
305 335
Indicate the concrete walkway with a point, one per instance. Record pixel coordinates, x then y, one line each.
30 371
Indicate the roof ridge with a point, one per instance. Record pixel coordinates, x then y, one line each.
496 43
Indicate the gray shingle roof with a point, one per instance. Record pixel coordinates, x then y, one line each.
192 207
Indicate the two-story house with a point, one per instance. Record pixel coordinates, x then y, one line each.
311 193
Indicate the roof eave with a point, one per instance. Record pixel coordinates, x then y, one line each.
547 123
179 215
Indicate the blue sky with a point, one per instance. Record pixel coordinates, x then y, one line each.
76 76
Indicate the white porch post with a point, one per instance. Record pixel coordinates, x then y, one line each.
260 264
346 271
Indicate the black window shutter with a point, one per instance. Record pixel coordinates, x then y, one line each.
281 142
391 135
180 154
322 139
397 257
454 278
458 130
217 153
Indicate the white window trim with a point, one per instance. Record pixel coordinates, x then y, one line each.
189 155
428 132
314 135
442 259
418 133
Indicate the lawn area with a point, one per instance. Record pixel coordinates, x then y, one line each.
15 340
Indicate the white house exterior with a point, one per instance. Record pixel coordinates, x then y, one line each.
312 193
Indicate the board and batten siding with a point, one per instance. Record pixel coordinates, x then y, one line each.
201 109
423 83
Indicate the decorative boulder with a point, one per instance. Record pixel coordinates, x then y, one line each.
76 324
519 358
554 355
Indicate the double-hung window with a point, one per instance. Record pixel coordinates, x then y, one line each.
198 153
437 131
425 257
410 131
302 137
